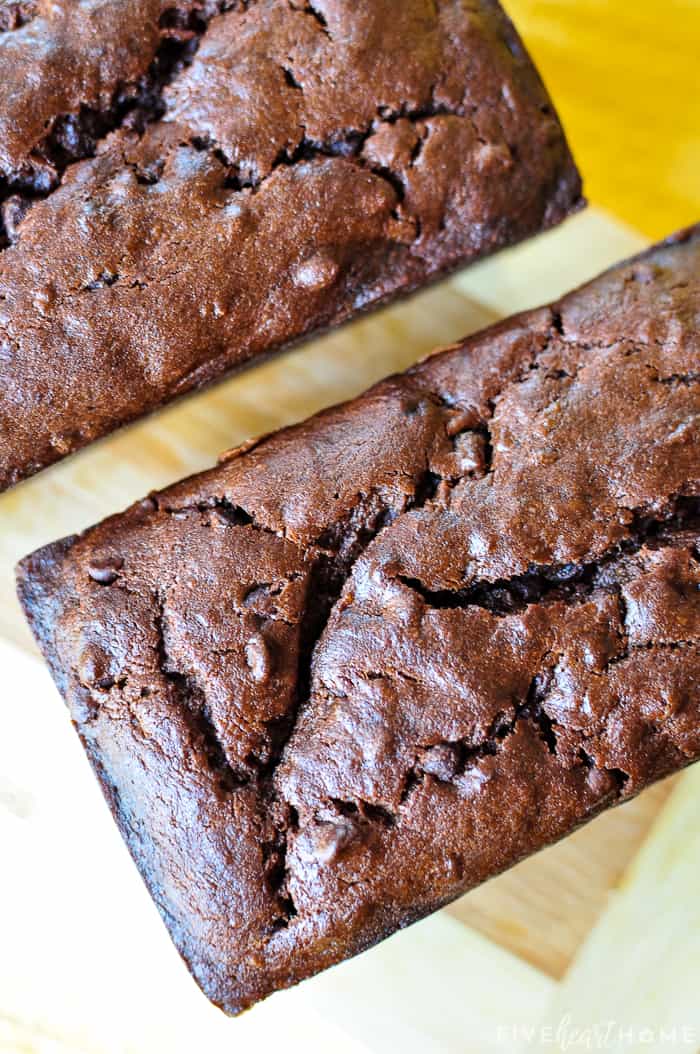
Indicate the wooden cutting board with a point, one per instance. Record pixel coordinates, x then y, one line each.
85 964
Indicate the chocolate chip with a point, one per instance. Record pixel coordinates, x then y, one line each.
12 212
94 668
318 272
105 569
600 781
442 760
328 840
259 659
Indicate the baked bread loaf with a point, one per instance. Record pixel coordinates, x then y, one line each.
378 657
259 175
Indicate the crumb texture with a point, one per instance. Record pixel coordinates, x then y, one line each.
379 657
185 185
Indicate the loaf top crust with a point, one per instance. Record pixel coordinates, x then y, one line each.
371 660
73 71
259 174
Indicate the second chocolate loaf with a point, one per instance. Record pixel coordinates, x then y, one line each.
380 656
305 163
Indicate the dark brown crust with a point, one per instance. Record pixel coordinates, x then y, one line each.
376 658
380 145
77 71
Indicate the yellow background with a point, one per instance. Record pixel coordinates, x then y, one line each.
625 77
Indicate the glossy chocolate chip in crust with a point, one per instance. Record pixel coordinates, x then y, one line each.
376 658
212 181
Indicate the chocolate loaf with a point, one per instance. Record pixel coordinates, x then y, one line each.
376 658
260 174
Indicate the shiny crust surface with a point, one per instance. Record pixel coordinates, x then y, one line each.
187 185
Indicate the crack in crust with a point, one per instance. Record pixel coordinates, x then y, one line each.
310 9
447 760
566 582
74 137
332 560
348 145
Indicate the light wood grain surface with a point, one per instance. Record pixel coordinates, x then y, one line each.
637 977
601 927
